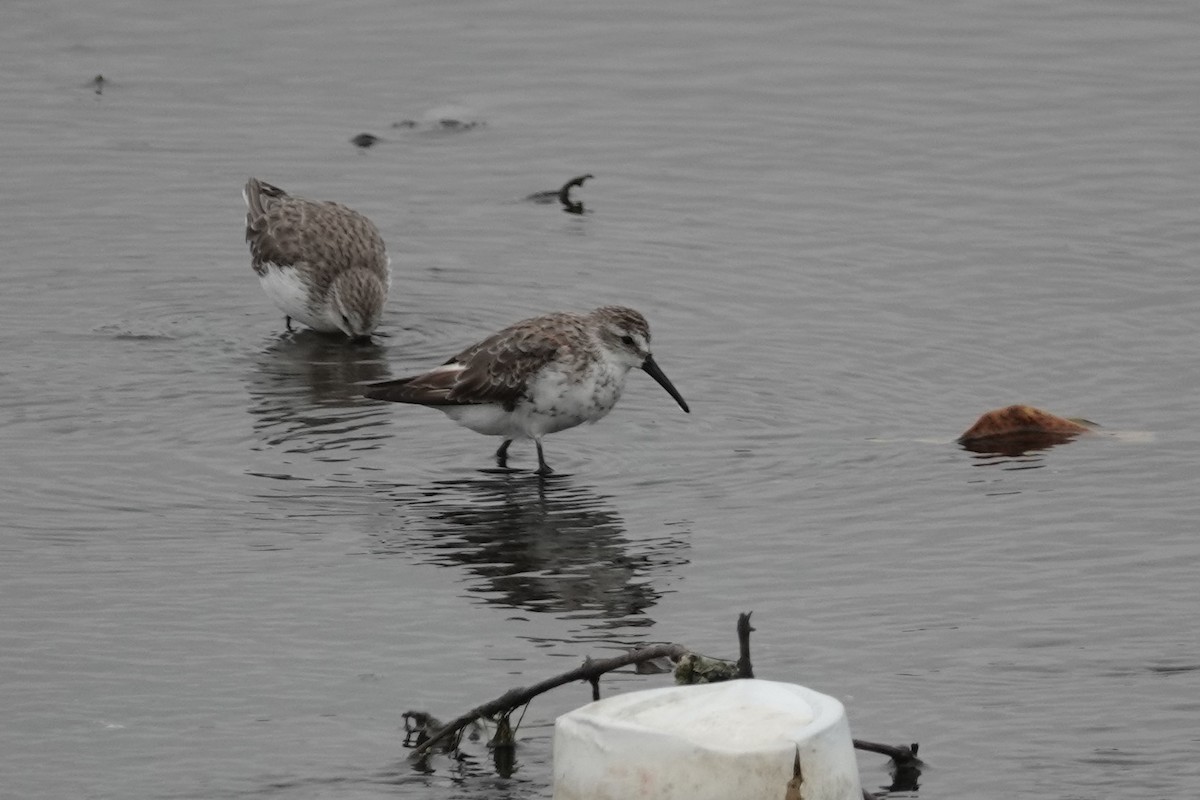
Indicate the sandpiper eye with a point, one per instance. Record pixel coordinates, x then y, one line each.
627 340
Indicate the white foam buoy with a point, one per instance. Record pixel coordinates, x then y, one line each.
735 740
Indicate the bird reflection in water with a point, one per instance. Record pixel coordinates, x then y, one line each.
305 393
539 543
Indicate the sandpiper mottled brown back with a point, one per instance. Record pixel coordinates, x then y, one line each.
540 376
496 369
326 236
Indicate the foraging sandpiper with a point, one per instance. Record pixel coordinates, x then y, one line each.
539 376
320 262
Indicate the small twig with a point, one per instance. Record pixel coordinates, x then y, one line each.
590 671
745 670
521 718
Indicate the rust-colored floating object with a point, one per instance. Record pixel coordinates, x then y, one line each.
1018 429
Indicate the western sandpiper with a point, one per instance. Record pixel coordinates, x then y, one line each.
539 376
320 262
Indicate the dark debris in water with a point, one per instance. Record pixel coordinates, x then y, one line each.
364 140
457 125
694 668
448 124
97 84
562 195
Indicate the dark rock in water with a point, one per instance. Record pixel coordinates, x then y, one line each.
97 83
365 140
562 195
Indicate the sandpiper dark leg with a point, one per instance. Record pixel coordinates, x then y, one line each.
502 454
289 323
543 467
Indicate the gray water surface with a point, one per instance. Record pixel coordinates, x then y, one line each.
853 226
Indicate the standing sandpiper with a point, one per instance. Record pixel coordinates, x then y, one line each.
320 262
539 376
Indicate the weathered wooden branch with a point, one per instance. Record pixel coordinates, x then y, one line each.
906 767
745 670
901 755
699 669
590 671
564 194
